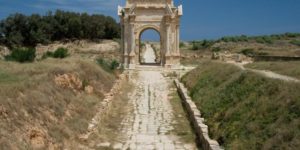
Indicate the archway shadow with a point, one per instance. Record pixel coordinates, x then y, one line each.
150 64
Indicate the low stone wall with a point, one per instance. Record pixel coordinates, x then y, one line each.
195 117
275 58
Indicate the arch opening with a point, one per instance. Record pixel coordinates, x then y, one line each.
150 47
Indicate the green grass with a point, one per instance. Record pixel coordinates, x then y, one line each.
245 110
58 53
22 55
295 42
107 65
6 78
291 68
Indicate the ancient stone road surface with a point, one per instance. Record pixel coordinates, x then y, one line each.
150 124
149 55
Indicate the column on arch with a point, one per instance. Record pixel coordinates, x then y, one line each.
167 39
125 43
177 39
132 44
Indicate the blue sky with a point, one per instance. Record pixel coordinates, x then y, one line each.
203 19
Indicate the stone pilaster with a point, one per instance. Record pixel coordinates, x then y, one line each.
132 54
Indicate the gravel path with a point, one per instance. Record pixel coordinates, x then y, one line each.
150 124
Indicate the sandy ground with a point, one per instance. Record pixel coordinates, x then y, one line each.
150 124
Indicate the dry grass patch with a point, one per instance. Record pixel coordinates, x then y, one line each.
109 130
182 126
34 102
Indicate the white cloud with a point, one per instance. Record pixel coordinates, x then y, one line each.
108 7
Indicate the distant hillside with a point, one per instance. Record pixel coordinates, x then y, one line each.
287 44
21 30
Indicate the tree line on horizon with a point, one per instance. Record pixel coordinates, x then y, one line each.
21 30
263 39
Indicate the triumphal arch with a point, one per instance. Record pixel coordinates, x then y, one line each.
160 15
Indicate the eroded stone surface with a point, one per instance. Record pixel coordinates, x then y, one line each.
150 125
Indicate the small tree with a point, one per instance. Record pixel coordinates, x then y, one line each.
61 53
181 45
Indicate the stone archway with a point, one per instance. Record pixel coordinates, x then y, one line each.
139 35
160 15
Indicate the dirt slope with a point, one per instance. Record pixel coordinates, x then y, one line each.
48 104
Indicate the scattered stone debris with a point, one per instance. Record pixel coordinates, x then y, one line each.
37 138
103 145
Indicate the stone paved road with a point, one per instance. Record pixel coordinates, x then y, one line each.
150 124
149 55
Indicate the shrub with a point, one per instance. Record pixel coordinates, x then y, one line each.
295 42
242 38
59 53
196 45
216 49
264 39
206 43
248 52
142 44
181 45
292 35
22 55
107 65
114 65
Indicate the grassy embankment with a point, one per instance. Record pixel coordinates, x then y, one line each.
289 68
34 110
245 110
